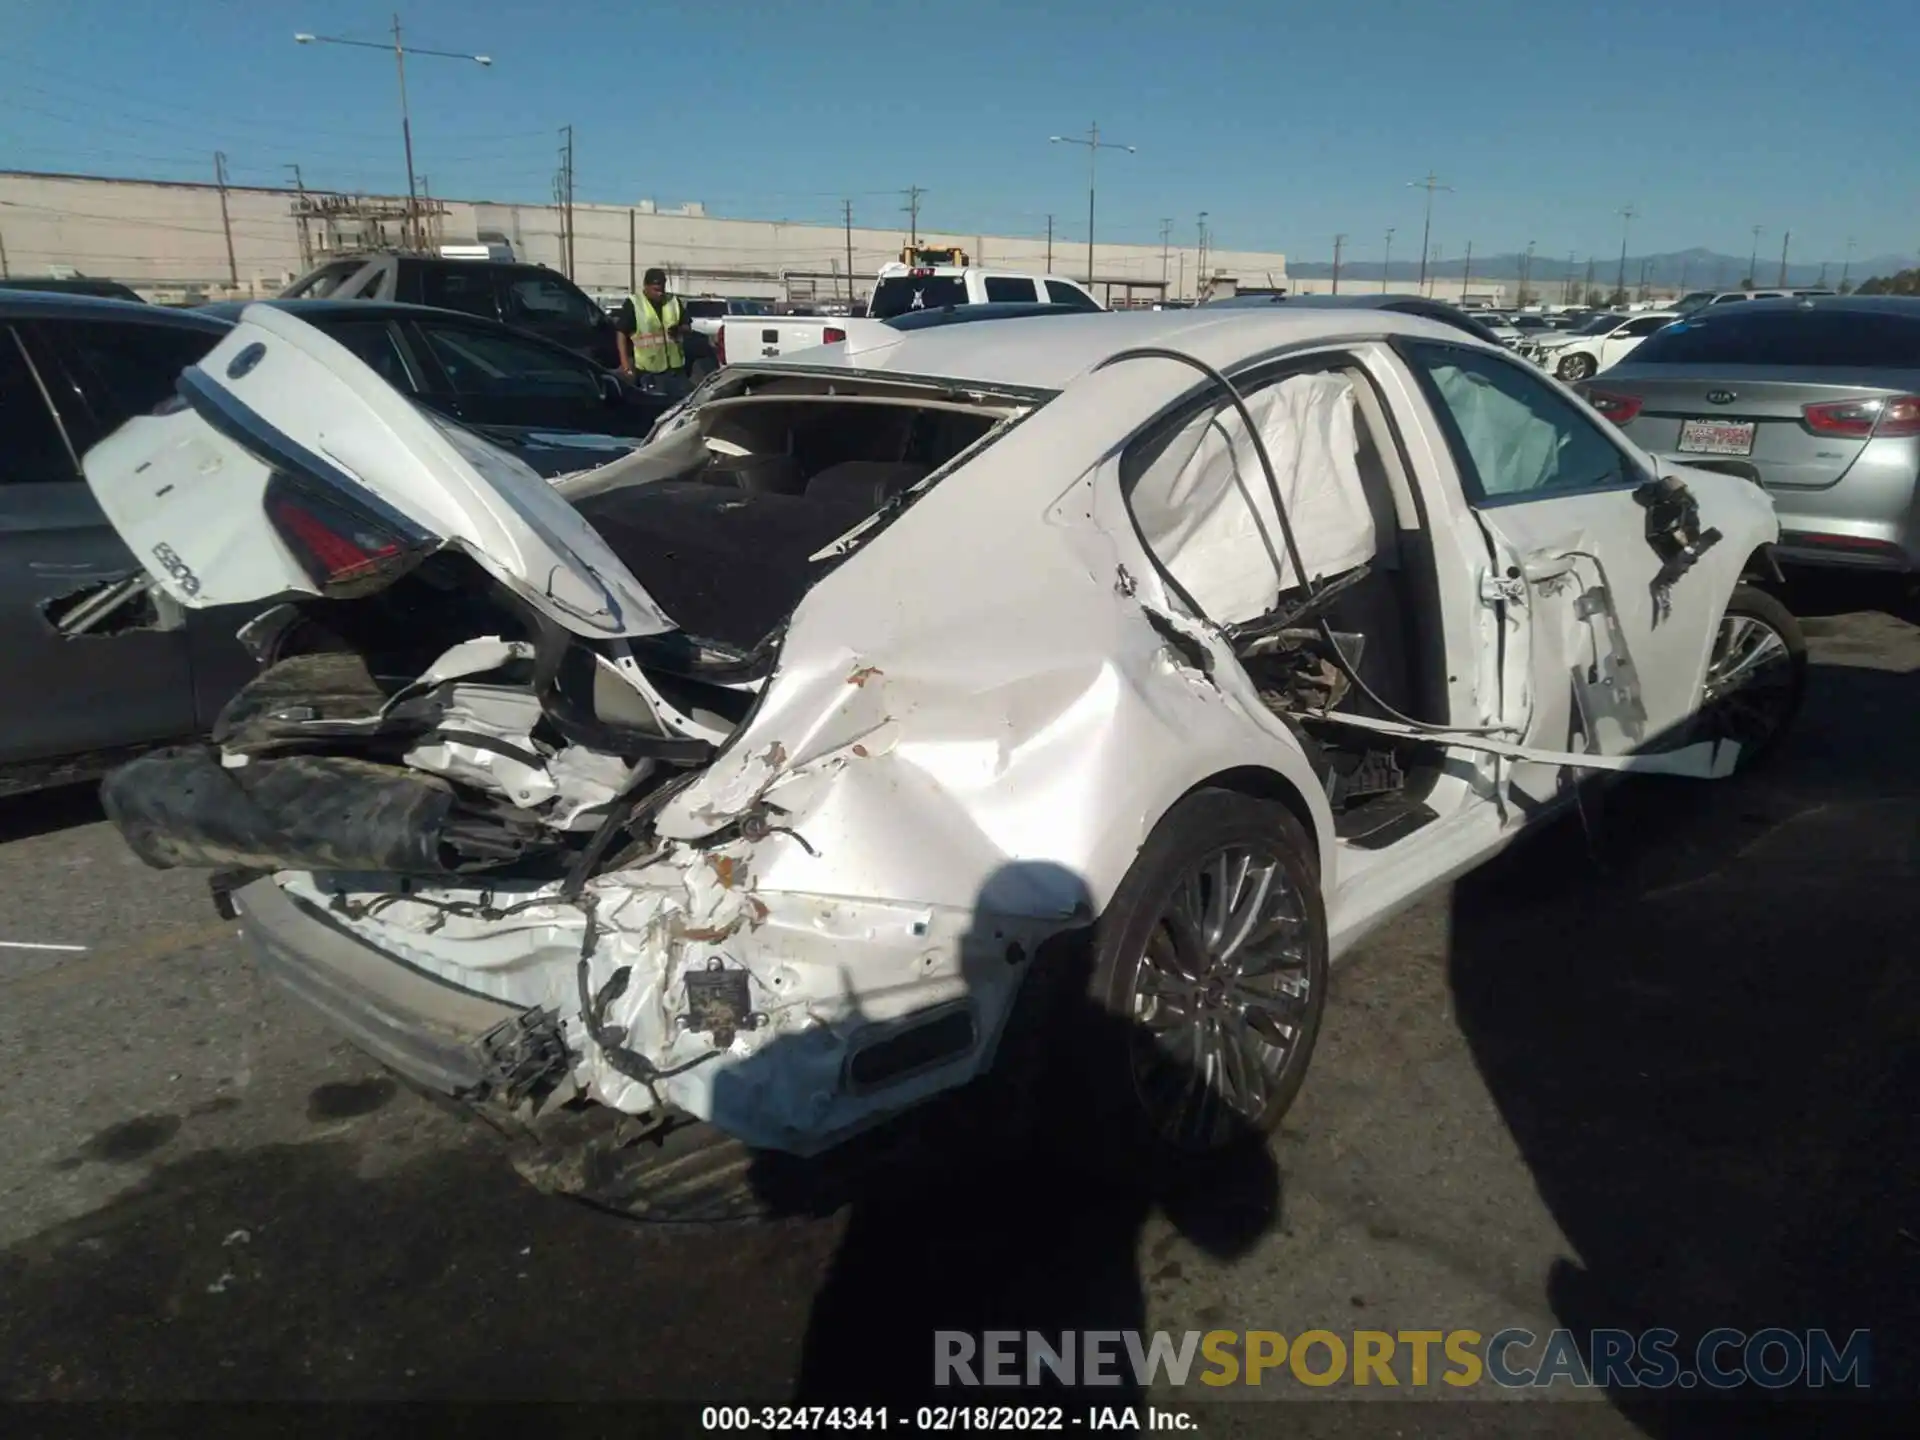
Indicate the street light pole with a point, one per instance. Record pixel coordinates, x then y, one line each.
1338 241
1426 230
1626 212
1846 269
1094 145
1753 260
1387 263
411 230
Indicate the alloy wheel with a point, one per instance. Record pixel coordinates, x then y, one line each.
1576 367
1749 691
1222 997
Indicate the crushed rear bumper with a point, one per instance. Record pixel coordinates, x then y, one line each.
434 1033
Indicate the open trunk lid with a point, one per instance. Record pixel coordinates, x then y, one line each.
286 464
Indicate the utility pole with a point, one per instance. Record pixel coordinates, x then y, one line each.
1200 286
1626 213
1822 281
1847 268
226 222
1426 229
1338 241
1643 280
566 199
1589 285
1094 145
1050 246
1785 240
1681 289
406 124
1567 299
1386 264
912 207
846 210
1466 275
298 183
1753 260
1166 243
633 256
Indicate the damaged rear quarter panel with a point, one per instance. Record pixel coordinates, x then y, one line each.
978 689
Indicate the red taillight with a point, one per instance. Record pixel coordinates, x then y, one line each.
720 345
1820 539
832 335
343 551
1617 408
1890 416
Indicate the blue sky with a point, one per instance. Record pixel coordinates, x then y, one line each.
1287 124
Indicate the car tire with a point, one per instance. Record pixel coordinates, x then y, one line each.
1756 676
1575 368
1170 999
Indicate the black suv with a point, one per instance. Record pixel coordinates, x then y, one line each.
528 297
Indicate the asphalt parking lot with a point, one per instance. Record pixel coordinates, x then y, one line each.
1666 1077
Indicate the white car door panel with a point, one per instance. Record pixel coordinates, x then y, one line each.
1594 661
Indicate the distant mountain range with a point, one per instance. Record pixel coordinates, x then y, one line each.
1696 269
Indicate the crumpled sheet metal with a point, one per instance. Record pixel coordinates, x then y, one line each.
941 778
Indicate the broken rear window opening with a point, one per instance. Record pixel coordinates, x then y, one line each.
442 725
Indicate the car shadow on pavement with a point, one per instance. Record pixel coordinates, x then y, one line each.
41 812
1017 1205
1704 1033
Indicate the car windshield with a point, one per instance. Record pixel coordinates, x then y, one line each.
1788 335
704 309
898 294
1599 325
1693 300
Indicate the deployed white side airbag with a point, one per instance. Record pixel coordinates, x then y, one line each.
1205 509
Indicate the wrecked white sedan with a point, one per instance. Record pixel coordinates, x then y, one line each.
750 778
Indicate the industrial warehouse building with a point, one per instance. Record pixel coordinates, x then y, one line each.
178 241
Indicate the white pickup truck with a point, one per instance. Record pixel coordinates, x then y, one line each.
900 290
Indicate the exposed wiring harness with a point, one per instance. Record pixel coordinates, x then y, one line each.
1315 589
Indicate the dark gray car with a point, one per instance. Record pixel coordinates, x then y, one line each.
1816 399
1361 300
72 368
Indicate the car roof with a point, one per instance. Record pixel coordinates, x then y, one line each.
1047 357
928 319
319 310
1444 311
1898 304
55 305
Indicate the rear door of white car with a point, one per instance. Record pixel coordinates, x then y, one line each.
1600 664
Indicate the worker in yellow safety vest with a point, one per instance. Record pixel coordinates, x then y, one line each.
652 329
